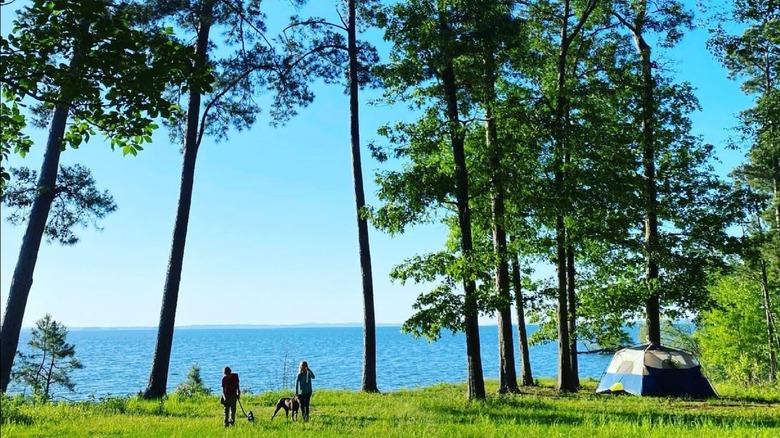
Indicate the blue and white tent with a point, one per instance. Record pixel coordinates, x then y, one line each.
655 371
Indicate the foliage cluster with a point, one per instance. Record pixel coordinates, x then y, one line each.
77 201
733 334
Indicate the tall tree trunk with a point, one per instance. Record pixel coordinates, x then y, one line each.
565 382
775 161
526 377
475 378
653 304
506 370
571 290
158 376
649 190
369 324
572 301
774 338
22 281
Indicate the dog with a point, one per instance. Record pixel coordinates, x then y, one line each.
288 404
249 415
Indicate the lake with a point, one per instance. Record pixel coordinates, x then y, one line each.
117 361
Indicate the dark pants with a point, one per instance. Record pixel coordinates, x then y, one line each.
230 409
304 400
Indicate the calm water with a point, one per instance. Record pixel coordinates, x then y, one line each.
117 361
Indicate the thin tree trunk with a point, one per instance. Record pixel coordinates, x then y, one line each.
767 302
22 281
507 370
769 322
650 192
48 376
776 196
774 338
158 376
40 374
572 301
475 378
39 371
506 358
571 291
565 382
369 324
775 162
526 377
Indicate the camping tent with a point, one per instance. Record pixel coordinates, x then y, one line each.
655 370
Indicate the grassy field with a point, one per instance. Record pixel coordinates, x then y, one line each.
435 411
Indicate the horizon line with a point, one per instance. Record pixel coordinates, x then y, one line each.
236 326
248 326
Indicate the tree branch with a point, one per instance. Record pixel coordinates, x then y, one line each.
222 94
246 20
585 14
313 21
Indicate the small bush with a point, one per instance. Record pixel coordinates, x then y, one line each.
11 412
193 385
113 405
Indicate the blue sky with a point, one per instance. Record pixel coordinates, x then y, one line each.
272 236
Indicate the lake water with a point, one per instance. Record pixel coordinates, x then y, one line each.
117 361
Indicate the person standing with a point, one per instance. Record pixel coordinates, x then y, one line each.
303 388
231 391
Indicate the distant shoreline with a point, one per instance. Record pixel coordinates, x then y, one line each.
234 326
249 326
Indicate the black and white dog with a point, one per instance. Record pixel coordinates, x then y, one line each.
288 404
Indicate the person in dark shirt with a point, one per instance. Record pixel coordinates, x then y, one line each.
303 383
230 394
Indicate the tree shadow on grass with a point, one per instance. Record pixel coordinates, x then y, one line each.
517 409
542 416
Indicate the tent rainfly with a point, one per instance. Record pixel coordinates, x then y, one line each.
653 370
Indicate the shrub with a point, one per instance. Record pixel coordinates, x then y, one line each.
194 384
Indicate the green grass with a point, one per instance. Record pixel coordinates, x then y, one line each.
434 411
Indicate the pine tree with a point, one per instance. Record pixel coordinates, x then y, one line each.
51 360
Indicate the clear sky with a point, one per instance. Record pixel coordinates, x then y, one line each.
272 234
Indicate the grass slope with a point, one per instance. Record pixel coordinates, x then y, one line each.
428 412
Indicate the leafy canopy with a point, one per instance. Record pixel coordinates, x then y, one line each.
89 56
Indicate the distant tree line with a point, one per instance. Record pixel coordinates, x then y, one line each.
545 131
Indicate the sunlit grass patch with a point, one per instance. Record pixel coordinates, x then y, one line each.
439 410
